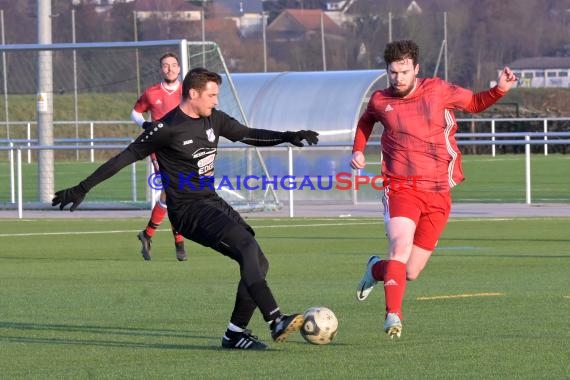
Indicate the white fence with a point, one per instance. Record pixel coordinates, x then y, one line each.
17 148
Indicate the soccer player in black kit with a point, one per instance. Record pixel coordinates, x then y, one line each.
185 141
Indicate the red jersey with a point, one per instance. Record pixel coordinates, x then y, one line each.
419 131
158 100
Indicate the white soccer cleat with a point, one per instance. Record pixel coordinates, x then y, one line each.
368 282
393 325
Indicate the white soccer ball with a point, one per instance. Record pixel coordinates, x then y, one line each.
320 325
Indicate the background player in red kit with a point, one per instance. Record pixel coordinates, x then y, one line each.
418 143
158 99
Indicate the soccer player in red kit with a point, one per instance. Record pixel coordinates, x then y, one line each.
158 100
418 144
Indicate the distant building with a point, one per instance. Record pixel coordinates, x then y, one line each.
542 71
175 10
247 14
298 24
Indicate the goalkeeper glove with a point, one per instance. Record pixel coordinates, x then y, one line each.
73 195
296 138
146 125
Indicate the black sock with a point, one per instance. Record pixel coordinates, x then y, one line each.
263 297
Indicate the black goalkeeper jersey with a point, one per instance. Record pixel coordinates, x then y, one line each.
186 150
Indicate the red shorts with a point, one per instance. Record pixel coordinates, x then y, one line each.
428 210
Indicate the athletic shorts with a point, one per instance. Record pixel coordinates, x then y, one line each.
206 220
428 210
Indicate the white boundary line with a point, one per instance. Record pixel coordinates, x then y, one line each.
60 233
333 222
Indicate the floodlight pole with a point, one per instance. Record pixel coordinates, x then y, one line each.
75 106
45 104
389 26
323 42
203 24
5 71
137 65
264 35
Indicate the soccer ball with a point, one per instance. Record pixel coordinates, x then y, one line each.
320 325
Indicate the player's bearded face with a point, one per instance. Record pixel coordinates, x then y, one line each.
170 70
402 76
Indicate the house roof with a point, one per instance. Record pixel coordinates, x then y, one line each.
306 19
541 63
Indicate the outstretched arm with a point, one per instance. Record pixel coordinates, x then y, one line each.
483 100
76 194
236 131
264 137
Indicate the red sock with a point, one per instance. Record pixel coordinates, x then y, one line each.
177 237
156 217
394 286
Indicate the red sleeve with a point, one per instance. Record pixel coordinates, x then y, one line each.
364 128
142 105
484 99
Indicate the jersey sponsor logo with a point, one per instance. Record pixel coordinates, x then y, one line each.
207 170
206 160
203 151
388 108
205 164
187 142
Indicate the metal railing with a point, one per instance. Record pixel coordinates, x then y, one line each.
527 139
16 183
90 124
493 128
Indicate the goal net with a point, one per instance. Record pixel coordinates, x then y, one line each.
235 163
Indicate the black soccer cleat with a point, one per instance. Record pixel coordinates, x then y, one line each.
180 252
146 242
285 325
242 341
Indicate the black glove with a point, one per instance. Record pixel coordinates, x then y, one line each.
146 125
73 195
296 138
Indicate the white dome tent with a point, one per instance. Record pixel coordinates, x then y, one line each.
328 102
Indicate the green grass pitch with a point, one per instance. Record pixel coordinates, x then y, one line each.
78 302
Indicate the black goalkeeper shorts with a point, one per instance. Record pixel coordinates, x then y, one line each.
206 220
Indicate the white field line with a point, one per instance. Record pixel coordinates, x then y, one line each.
451 296
334 222
63 233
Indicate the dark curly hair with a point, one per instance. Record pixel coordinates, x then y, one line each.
398 50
